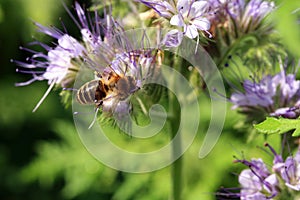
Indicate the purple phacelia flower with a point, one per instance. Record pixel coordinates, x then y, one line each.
253 187
257 182
57 63
255 11
191 15
60 63
289 171
188 16
106 49
282 181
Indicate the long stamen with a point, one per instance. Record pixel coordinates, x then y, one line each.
95 118
44 96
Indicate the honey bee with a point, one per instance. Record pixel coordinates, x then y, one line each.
112 85
115 86
109 85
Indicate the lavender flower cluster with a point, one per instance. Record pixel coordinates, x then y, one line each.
115 64
99 53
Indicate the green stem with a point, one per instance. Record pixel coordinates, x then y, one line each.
177 165
174 121
288 143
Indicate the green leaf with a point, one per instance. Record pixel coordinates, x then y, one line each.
279 126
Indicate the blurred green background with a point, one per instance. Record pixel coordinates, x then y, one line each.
41 156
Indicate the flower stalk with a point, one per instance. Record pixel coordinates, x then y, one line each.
174 121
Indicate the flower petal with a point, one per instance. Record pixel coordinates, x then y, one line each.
191 31
198 8
177 20
173 38
202 24
183 6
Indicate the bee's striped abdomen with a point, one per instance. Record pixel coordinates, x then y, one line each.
87 93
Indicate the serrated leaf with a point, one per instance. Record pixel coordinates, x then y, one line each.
279 126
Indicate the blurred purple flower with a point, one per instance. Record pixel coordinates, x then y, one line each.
277 95
255 12
239 15
256 94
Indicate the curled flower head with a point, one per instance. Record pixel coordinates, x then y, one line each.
242 27
255 12
239 16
